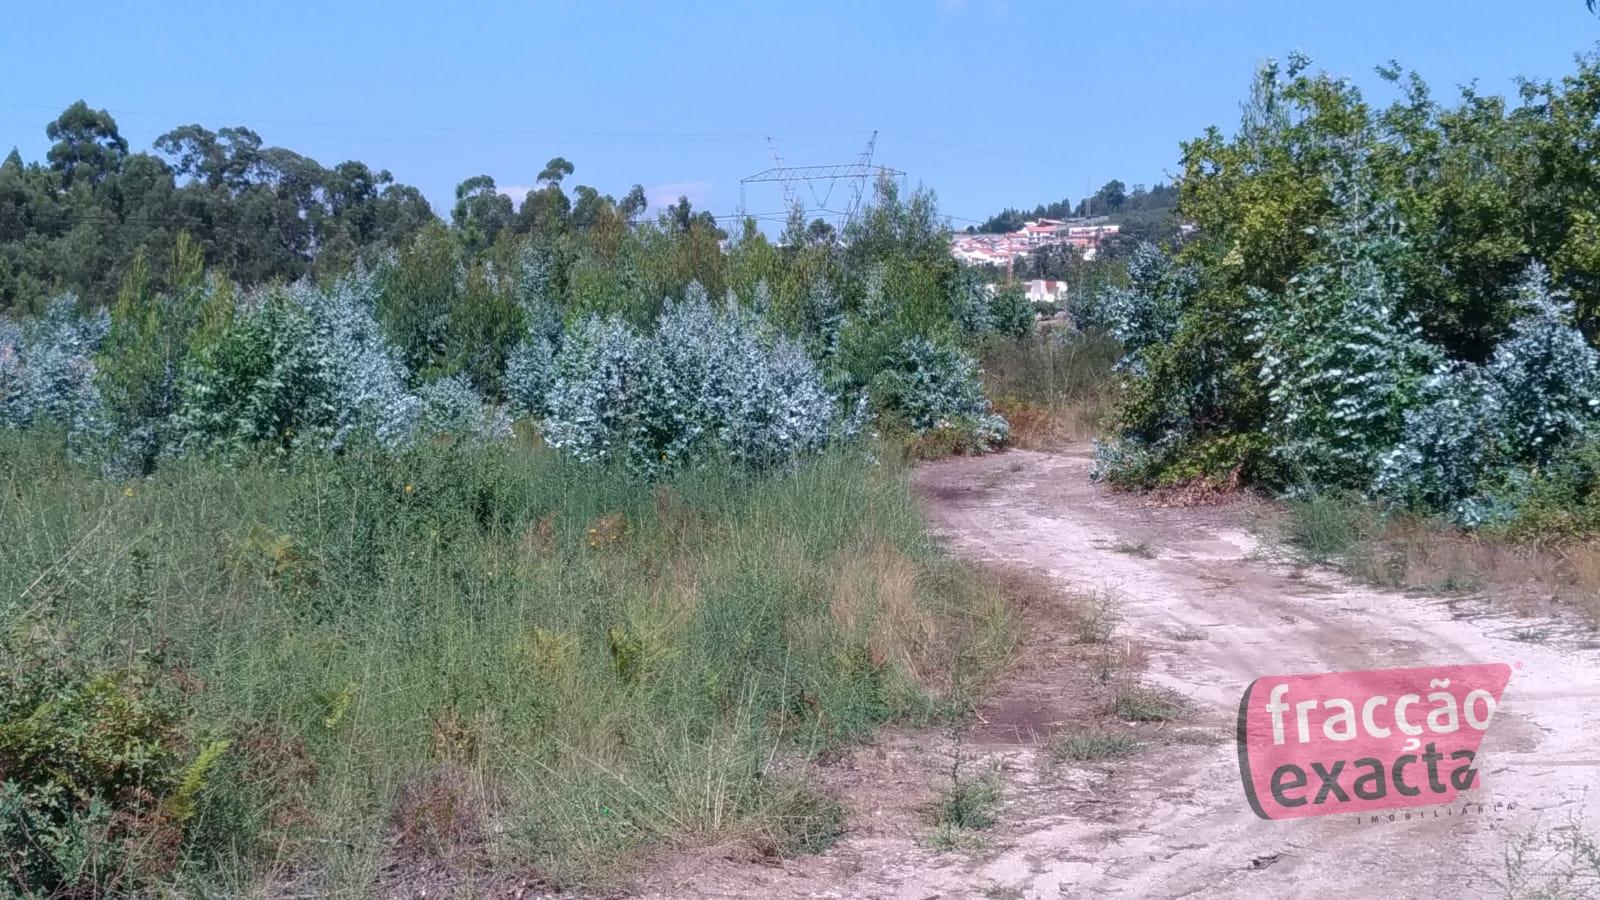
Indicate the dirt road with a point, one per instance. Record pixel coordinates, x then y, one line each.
1214 613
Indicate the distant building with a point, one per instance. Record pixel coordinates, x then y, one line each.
1083 235
1043 290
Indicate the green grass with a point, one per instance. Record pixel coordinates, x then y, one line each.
1094 618
966 805
1324 529
1078 745
487 651
1052 367
1143 703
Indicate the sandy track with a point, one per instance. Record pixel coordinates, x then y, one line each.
1215 614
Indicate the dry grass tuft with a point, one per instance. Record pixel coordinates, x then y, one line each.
1041 426
1583 561
440 818
875 593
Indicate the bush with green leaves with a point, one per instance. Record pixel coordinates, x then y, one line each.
1145 312
599 379
99 776
928 386
1011 313
16 406
1340 363
260 383
452 406
47 372
1548 373
530 373
1353 318
530 367
310 368
1450 441
707 382
971 306
1484 430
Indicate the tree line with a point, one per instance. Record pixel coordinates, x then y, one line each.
80 220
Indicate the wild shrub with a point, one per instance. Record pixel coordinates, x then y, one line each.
16 402
928 386
530 366
452 406
484 325
47 373
1011 314
1484 430
1547 373
971 306
1340 364
1450 441
365 380
1145 312
530 374
99 774
259 384
598 381
305 367
706 382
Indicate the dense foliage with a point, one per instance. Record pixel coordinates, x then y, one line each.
1401 301
605 336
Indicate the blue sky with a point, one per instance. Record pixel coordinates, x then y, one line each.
990 102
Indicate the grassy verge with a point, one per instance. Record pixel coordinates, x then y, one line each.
1531 573
333 672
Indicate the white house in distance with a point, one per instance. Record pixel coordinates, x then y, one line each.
1046 290
1039 290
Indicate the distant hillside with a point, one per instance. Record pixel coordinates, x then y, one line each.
1143 213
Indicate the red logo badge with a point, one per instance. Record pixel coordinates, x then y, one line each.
1351 742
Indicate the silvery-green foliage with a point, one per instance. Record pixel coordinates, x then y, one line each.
723 386
874 305
761 303
931 386
1119 455
599 372
365 379
1548 374
708 381
1144 313
1341 364
47 370
530 372
530 367
971 305
451 406
1481 429
309 368
538 295
1449 441
824 318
